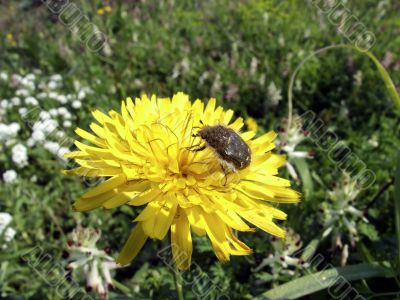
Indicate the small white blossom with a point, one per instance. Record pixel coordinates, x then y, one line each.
62 99
53 112
30 77
339 215
67 124
96 264
76 104
56 77
22 93
9 176
274 94
31 101
44 115
288 142
3 76
284 259
6 231
4 103
81 95
16 101
19 155
42 95
52 85
38 136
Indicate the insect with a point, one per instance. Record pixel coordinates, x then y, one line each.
231 149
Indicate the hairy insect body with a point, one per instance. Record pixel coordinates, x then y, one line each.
228 145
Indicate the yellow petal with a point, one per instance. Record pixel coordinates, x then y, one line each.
106 186
132 246
181 241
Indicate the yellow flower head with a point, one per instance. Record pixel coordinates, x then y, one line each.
10 39
148 153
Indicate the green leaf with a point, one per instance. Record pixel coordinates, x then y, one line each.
305 175
309 251
397 204
369 231
325 279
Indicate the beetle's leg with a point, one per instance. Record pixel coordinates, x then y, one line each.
193 146
199 149
225 173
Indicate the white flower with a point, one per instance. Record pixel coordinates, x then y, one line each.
5 219
41 95
62 99
27 83
53 95
3 132
44 115
16 101
76 104
96 264
67 124
30 77
289 140
61 152
14 128
62 110
3 76
6 231
22 93
31 101
274 94
339 215
53 112
8 131
9 176
19 155
284 259
31 142
38 136
4 103
81 94
56 77
52 147
52 85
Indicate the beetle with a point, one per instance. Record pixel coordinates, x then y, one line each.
231 149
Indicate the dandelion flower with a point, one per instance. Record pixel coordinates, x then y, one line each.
146 154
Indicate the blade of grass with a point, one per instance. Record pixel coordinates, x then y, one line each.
312 283
305 175
397 205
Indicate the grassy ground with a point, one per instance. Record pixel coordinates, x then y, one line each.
243 53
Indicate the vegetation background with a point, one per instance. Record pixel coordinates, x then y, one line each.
242 53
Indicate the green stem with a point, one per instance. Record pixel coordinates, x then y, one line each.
384 74
178 283
397 206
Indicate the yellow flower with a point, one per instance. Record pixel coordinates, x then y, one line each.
100 11
146 151
251 124
10 39
108 8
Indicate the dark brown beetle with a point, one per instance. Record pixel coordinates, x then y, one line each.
228 145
